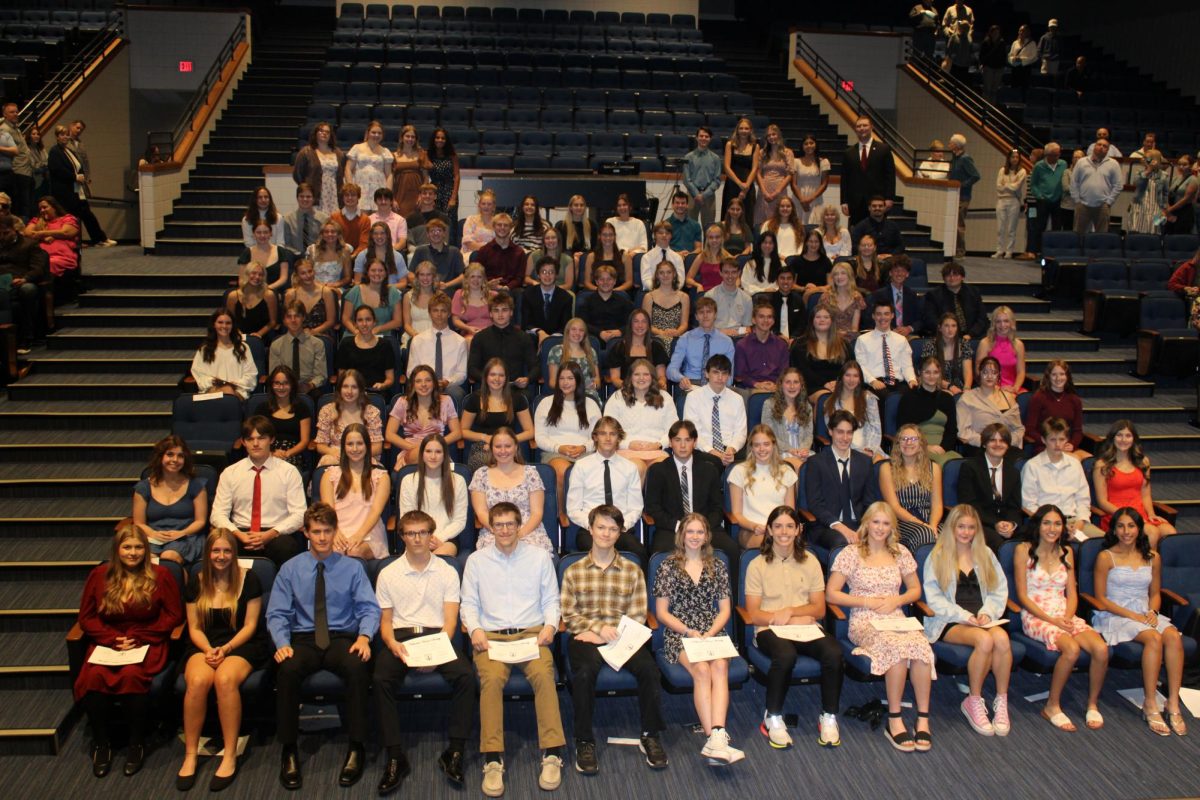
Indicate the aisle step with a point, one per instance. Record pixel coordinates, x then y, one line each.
129 386
47 362
195 318
131 338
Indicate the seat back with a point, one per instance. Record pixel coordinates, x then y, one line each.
1061 244
1143 245
1085 564
950 471
1161 312
207 424
1102 245
1181 563
1180 246
1106 274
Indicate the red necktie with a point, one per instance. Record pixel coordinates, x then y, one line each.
256 501
862 158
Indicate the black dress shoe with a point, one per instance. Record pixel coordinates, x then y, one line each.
394 773
352 769
289 771
184 783
221 782
101 760
451 763
135 760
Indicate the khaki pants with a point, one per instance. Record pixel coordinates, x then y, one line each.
492 677
1087 218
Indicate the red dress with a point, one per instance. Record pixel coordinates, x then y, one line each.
1125 489
151 624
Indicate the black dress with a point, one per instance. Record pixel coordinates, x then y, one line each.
741 166
616 358
814 272
287 432
251 320
372 363
816 371
220 632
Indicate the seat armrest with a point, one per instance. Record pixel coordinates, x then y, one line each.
745 615
651 621
75 634
1175 599
923 609
837 611
1013 607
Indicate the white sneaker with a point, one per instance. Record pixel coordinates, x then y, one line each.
829 735
717 749
997 254
775 730
493 778
551 774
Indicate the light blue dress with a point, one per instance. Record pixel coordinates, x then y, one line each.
1128 587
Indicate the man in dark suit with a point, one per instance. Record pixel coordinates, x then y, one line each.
546 308
791 314
665 488
990 482
867 170
902 299
841 484
957 298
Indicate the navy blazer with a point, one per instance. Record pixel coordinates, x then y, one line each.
912 307
822 479
533 310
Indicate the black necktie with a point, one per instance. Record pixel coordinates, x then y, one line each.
844 492
296 357
683 490
304 231
320 616
995 486
437 354
607 484
546 298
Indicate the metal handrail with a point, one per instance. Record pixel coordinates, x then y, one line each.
844 90
54 90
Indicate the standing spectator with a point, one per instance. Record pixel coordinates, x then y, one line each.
868 169
369 165
1022 57
702 176
963 170
960 56
1096 182
97 235
302 227
68 185
321 164
1181 211
957 12
441 162
407 171
775 171
993 58
1113 150
1150 198
1049 49
1079 77
1010 190
741 170
38 155
1066 208
924 20
1046 191
810 180
16 163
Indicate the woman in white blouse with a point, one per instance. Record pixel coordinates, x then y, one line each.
631 231
758 485
646 415
563 422
223 362
440 492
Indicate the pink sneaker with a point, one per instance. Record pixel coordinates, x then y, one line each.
1000 722
975 711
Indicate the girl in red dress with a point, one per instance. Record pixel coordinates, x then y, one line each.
1122 478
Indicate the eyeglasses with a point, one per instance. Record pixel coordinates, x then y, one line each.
909 439
505 526
417 533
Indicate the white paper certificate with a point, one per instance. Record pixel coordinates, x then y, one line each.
798 633
633 635
713 647
993 623
518 651
897 624
108 657
429 651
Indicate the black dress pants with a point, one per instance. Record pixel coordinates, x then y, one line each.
307 658
586 662
389 677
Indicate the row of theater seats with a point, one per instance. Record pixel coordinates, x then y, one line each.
351 64
550 35
427 13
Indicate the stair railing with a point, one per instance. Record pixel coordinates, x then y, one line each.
70 77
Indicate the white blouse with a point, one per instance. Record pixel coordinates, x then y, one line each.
567 431
446 527
839 250
752 285
225 366
641 422
765 494
631 233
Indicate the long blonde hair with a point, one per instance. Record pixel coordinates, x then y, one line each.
210 597
1000 311
944 556
774 464
893 541
124 587
921 471
585 345
472 269
573 235
679 557
831 298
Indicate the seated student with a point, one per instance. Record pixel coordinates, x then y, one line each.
933 410
275 259
838 243
957 298
819 354
811 265
418 594
733 305
636 344
956 354
911 484
494 406
850 395
645 414
868 266
261 206
437 490
477 228
470 304
299 350
384 212
503 260
903 300
785 586
705 272
441 348
225 644
607 253
605 477
874 577
789 415
759 275
385 300
691 593
577 231
885 233
292 420
127 603
1122 478
631 231
1044 577
222 362
985 404
426 212
563 422
545 307
423 412
966 589
1128 581
990 483
787 227
261 497
739 233
355 223
761 356
507 478
319 301
682 484
510 592
884 354
254 306
302 227
350 405
1051 478
1056 397
507 342
415 304
446 258
597 592
575 348
322 615
529 224
1002 344
686 235
605 310
758 485
366 353
843 299
668 307
379 248
331 258
358 491
662 251
719 412
170 505
840 484
693 350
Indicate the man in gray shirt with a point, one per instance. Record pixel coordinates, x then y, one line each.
20 178
702 174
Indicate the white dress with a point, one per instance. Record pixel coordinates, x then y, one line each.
368 172
808 180
642 423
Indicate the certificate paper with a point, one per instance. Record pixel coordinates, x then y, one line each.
898 624
429 651
709 649
108 657
633 635
517 651
798 633
994 623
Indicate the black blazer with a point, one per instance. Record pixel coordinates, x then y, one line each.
912 307
975 488
822 479
797 312
533 310
664 501
939 300
62 177
859 185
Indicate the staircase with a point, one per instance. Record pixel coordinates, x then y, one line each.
75 434
763 75
257 128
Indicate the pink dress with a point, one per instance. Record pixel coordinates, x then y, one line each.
330 426
1004 352
352 511
475 316
1049 592
418 430
884 648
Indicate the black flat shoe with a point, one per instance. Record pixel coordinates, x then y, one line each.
221 782
184 783
451 763
101 760
352 769
394 773
289 771
135 760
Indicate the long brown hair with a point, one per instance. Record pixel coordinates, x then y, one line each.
679 557
860 394
412 401
357 377
779 402
346 482
578 398
654 397
169 442
125 587
446 474
208 596
485 393
767 548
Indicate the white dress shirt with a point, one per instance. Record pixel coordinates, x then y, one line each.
282 506
640 422
731 409
567 431
225 366
868 352
655 256
423 348
518 590
417 596
1062 484
587 488
446 526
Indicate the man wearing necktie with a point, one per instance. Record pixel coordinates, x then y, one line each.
546 307
840 484
868 170
302 227
907 320
322 615
660 252
300 351
989 481
884 355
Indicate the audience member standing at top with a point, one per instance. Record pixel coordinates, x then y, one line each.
1096 182
321 164
369 164
1049 49
1022 57
867 170
442 165
775 172
84 212
963 170
17 177
956 13
702 177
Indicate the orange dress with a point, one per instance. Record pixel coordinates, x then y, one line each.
1125 489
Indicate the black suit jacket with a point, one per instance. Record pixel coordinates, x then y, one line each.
975 489
823 477
912 307
533 310
939 300
664 501
859 185
62 177
797 313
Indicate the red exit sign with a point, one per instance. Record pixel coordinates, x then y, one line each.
847 86
185 66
